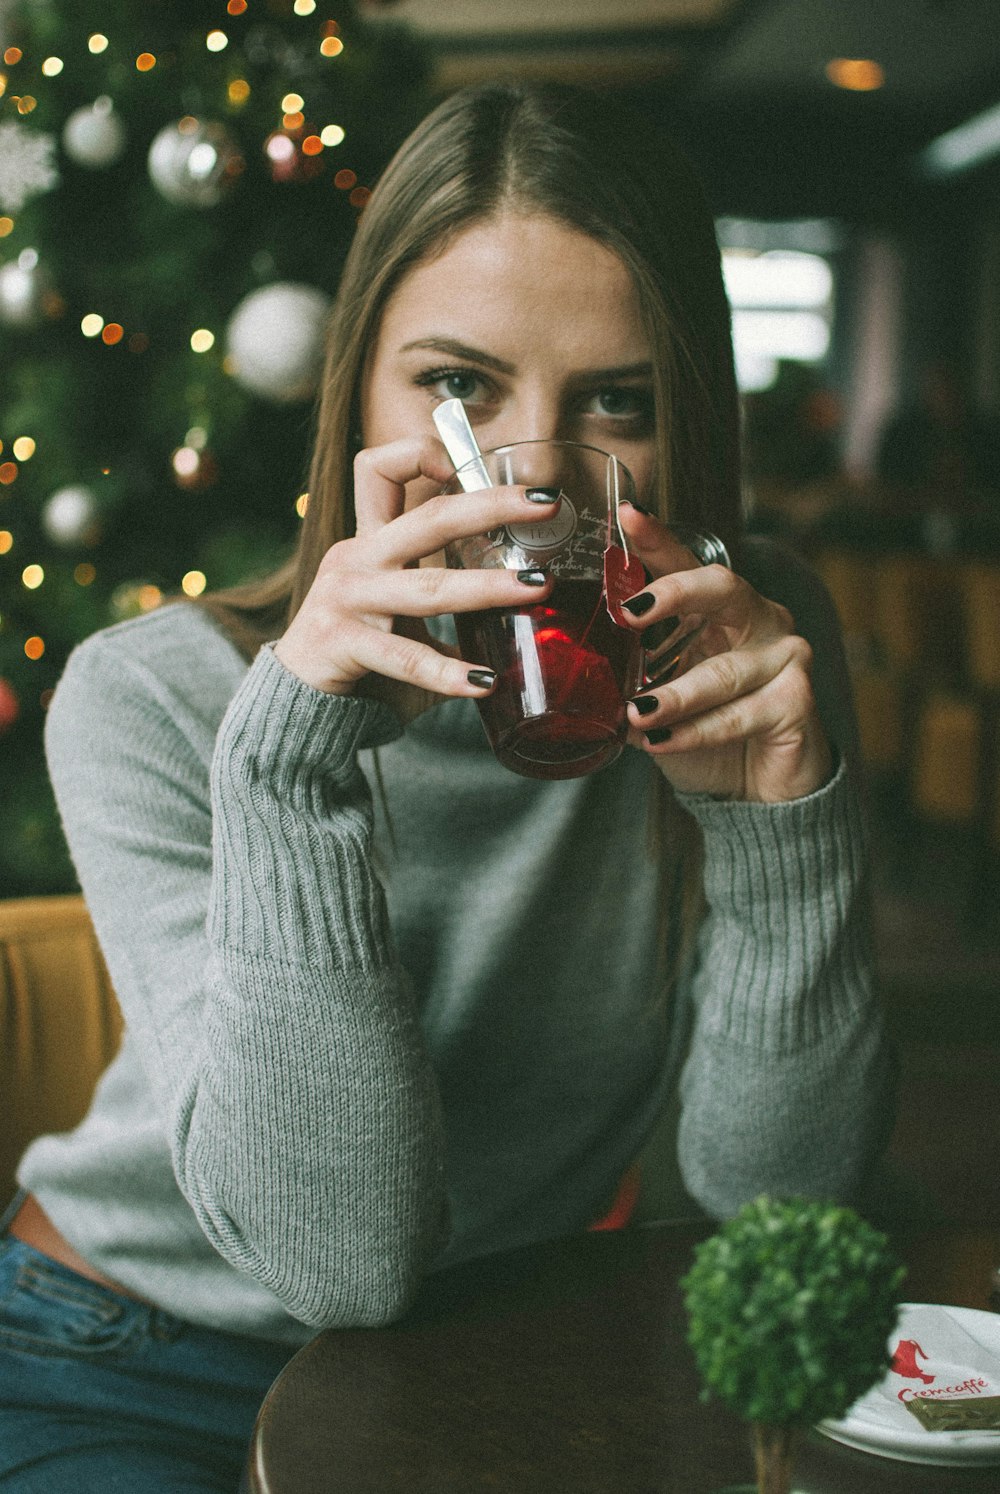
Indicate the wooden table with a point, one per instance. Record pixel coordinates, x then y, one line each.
559 1369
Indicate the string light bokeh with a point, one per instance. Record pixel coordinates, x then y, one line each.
147 451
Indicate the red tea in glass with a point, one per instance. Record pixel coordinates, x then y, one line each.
564 667
564 673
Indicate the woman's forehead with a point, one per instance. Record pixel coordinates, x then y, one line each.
517 273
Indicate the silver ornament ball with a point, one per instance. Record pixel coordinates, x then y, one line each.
69 516
274 341
24 285
94 136
194 162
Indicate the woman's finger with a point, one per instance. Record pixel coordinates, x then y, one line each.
715 593
767 745
382 472
659 551
430 590
381 475
396 656
425 530
682 586
729 696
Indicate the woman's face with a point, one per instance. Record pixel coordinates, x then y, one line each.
535 327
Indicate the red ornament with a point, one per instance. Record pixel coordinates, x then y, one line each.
10 706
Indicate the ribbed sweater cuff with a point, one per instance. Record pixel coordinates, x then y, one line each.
292 822
784 883
291 732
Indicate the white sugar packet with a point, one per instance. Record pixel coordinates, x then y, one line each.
935 1358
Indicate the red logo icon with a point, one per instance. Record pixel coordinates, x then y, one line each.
904 1361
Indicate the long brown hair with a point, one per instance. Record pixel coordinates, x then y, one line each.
573 156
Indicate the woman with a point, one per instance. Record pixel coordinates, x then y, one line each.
387 1004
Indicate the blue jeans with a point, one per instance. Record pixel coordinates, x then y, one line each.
100 1394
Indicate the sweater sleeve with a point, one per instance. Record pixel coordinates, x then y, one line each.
247 940
789 1082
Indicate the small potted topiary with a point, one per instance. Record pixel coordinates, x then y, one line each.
790 1305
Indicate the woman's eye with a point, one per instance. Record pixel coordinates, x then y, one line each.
453 383
460 385
620 403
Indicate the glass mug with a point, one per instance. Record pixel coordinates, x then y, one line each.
565 668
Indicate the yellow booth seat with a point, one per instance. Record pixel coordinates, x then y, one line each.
947 759
59 1022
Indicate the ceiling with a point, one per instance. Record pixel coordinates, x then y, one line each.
743 86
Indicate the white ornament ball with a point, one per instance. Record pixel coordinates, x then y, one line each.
94 136
194 162
275 341
69 516
23 286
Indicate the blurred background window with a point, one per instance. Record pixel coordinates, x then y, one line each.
782 296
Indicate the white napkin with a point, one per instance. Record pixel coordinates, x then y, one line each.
934 1357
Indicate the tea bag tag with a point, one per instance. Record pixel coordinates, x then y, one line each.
624 574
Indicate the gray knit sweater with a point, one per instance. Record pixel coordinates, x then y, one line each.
351 1056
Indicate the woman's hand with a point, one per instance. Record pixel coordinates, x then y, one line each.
362 618
741 722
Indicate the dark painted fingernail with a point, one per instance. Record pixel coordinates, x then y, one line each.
542 495
532 578
640 604
658 734
638 507
482 677
645 704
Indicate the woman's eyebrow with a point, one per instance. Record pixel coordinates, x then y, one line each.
460 350
456 349
609 375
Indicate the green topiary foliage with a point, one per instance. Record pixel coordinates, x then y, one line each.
790 1306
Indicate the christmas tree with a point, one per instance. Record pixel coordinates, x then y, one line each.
178 187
